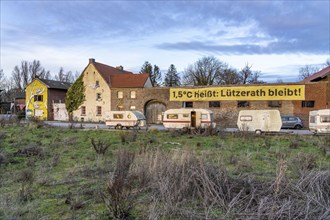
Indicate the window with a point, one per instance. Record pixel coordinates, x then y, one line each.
133 95
274 104
312 119
246 118
98 110
172 116
97 83
120 95
324 118
185 115
118 116
98 97
204 116
132 107
187 104
38 98
242 104
83 110
307 104
214 104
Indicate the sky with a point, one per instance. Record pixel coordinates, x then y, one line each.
274 37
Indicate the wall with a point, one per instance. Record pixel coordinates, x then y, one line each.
90 76
55 96
228 111
37 109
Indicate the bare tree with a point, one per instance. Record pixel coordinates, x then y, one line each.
307 71
64 77
229 76
22 75
247 76
36 70
206 71
2 80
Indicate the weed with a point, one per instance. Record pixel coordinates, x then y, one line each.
99 146
119 197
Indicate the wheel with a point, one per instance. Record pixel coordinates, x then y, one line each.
119 126
298 127
258 132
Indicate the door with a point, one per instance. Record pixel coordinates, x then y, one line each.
153 112
193 119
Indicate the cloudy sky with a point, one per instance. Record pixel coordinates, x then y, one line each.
275 37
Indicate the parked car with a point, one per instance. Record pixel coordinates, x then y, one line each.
292 122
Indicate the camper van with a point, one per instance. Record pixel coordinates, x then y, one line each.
319 121
188 118
127 119
259 121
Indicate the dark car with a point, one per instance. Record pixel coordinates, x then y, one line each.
292 122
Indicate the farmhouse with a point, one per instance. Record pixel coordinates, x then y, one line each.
99 79
41 97
112 89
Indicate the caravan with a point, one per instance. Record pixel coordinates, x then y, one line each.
127 119
188 118
259 121
319 121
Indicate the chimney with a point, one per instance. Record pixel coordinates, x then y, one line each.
91 60
120 67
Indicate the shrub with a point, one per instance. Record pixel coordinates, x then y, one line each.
119 197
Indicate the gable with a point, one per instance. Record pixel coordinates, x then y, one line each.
322 74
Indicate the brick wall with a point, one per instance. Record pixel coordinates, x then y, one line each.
228 110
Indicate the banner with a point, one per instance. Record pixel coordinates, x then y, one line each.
276 92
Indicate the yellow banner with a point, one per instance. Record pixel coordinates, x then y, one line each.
276 92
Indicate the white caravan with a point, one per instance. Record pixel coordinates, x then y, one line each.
319 121
259 121
188 118
128 119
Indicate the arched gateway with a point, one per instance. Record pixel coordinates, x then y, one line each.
153 110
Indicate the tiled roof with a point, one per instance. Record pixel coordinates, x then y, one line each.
52 84
128 80
318 75
106 71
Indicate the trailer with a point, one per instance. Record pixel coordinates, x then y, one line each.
188 118
125 119
259 121
319 121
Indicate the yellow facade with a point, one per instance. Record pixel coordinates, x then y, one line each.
96 106
36 100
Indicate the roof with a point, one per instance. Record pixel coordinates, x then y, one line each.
128 80
318 75
106 71
52 84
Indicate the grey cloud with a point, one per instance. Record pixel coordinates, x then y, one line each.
273 48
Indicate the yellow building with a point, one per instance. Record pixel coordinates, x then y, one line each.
98 80
41 94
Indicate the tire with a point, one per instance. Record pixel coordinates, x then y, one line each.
119 126
258 132
297 127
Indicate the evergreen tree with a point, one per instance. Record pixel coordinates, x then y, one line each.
75 96
172 77
154 73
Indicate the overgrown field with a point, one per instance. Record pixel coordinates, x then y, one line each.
62 173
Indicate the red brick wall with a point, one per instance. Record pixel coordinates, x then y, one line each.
319 92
